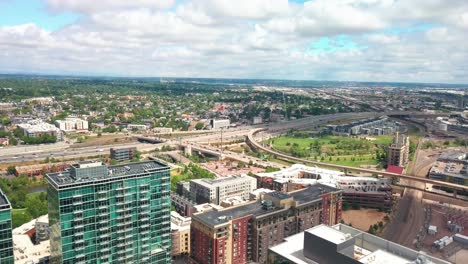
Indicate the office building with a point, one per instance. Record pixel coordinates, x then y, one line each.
398 151
122 154
101 214
243 234
180 234
72 124
364 191
6 240
217 190
38 128
345 245
220 124
451 167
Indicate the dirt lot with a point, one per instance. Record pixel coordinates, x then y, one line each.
103 140
460 257
225 168
363 218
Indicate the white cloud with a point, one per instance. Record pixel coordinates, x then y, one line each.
92 6
383 39
247 39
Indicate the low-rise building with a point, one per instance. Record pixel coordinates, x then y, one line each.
137 127
217 190
180 234
122 154
38 128
72 124
220 124
31 241
345 245
243 234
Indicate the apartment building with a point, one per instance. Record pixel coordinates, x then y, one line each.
6 240
180 234
37 128
101 214
243 234
217 190
71 124
364 191
398 151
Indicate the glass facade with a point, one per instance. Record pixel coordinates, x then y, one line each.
120 220
6 240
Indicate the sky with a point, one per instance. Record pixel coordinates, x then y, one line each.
343 40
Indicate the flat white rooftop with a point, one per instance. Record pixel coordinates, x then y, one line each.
329 234
382 257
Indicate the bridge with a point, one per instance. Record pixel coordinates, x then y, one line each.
251 141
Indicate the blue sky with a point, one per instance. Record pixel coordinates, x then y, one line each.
14 12
380 40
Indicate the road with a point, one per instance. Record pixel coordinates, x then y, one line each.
64 152
409 218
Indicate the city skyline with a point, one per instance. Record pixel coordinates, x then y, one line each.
414 41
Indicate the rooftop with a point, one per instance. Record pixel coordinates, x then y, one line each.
4 203
365 248
66 179
216 217
224 180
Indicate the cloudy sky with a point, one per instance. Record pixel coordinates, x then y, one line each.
349 40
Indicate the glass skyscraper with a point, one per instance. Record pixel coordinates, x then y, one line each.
115 214
6 240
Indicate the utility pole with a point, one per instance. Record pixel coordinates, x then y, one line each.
221 140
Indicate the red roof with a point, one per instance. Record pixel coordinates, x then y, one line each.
395 169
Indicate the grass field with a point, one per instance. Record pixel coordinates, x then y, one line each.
340 150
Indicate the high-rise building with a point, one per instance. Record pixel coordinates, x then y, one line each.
343 244
398 151
243 234
6 240
119 214
217 190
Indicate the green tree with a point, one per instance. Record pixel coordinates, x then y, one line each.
11 170
199 126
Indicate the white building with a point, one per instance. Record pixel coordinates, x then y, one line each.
219 124
343 244
24 250
217 190
366 191
72 124
37 128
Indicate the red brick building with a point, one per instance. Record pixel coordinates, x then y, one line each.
244 233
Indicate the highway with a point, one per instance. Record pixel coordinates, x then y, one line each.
62 150
65 152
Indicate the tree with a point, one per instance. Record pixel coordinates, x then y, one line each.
199 126
11 170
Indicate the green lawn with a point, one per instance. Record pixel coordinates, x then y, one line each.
340 150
